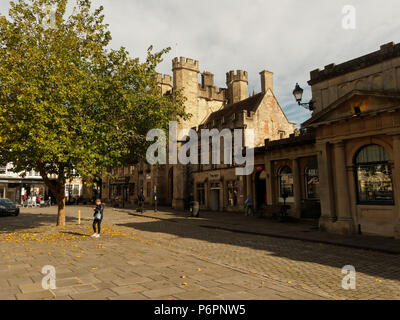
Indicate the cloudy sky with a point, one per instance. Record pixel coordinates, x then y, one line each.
287 37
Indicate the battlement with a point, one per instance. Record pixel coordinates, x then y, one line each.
165 79
239 75
212 93
185 63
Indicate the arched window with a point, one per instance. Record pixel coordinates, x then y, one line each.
312 180
285 183
374 176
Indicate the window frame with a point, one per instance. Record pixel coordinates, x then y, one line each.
357 165
290 198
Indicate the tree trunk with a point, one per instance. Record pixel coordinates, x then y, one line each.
61 211
57 187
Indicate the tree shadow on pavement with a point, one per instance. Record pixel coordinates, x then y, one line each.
368 262
29 221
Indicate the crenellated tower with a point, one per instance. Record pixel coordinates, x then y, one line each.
237 84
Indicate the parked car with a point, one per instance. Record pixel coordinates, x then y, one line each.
7 207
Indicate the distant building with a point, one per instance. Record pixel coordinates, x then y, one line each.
15 185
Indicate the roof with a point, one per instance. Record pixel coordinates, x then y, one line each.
307 137
249 104
387 51
395 96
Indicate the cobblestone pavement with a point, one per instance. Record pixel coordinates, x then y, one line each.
166 257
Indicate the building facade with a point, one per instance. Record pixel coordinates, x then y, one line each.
216 187
341 168
350 148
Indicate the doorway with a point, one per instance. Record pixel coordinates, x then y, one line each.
260 188
214 197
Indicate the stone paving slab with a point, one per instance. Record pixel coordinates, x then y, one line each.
150 258
305 231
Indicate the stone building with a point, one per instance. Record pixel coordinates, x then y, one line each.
210 107
350 148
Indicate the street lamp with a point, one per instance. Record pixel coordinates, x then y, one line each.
298 95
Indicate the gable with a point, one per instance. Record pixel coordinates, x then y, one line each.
355 103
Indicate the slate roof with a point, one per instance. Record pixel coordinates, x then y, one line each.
249 104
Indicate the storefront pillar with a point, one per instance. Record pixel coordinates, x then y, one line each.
344 224
249 186
396 182
325 187
269 182
297 188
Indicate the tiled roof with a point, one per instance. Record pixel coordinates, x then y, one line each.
249 104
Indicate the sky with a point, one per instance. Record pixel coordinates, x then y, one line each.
288 37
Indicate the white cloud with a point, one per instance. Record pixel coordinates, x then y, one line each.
288 37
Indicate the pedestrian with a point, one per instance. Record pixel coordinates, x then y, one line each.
141 201
98 218
39 198
191 203
249 206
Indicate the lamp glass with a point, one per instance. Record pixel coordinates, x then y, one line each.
298 93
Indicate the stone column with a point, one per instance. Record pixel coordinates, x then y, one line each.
178 201
249 186
325 187
269 181
297 188
396 183
344 224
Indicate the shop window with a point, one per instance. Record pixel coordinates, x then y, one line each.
232 193
312 180
285 183
374 176
201 194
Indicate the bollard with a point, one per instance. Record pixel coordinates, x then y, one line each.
79 217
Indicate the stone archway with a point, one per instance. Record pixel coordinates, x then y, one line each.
260 188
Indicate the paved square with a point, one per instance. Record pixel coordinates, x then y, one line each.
169 257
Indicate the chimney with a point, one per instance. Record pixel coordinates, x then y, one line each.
267 81
207 79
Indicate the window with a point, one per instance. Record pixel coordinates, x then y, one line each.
232 193
374 176
281 134
285 183
312 180
201 194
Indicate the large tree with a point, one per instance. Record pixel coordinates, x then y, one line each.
68 103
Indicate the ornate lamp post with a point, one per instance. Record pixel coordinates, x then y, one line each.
298 95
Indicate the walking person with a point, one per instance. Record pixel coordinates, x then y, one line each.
98 217
141 201
249 206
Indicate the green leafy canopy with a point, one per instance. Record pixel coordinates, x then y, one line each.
68 101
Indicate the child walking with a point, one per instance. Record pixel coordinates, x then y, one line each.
98 217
